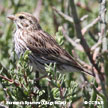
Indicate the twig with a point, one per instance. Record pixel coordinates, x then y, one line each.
83 18
39 78
4 70
25 76
38 9
61 92
89 67
68 18
96 53
10 80
97 44
55 22
83 6
96 91
92 36
6 78
76 46
85 29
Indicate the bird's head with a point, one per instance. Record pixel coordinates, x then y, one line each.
25 20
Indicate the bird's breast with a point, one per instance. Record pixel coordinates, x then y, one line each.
20 45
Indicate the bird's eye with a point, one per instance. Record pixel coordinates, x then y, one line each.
30 22
21 17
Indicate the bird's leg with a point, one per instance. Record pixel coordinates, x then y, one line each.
36 83
44 76
37 78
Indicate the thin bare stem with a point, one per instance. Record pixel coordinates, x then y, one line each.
85 29
76 46
4 70
97 44
68 18
10 80
104 41
83 6
38 9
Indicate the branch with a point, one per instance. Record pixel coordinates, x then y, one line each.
83 18
70 19
55 22
96 90
83 6
66 17
85 65
80 36
4 70
85 29
92 36
38 9
76 46
10 80
104 42
103 24
96 53
97 44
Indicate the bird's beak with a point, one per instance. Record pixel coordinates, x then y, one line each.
11 17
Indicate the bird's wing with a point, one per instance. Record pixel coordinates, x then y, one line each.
46 48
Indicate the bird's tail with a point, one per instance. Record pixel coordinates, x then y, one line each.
88 72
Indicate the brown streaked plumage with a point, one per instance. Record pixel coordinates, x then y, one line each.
44 49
